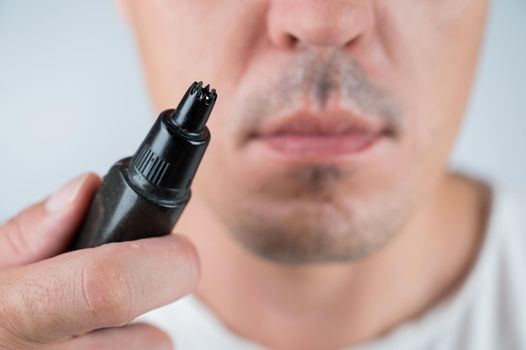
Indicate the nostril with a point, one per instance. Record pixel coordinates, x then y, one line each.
291 41
287 41
354 41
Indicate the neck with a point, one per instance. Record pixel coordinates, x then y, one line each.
288 307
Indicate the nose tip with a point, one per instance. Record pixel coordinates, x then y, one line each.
317 23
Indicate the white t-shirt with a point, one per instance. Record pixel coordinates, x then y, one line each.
487 312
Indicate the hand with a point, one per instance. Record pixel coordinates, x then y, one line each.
84 299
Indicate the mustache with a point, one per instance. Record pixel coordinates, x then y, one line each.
317 76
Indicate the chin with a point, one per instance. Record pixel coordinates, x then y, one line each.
315 230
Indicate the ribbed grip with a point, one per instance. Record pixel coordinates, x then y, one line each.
150 165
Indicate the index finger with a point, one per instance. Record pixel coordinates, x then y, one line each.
102 287
45 229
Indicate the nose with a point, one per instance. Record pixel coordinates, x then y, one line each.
318 23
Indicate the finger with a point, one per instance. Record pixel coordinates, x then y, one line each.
107 286
46 228
137 336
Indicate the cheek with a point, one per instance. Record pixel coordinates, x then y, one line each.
183 41
435 66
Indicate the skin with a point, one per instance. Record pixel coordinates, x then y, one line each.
326 251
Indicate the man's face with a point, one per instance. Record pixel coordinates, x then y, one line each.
334 118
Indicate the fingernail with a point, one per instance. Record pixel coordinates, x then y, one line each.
66 194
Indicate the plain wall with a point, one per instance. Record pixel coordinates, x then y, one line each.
72 97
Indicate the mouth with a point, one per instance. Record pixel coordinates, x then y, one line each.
322 136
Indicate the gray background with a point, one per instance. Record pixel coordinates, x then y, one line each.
72 97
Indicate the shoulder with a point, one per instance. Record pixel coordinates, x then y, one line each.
507 236
506 228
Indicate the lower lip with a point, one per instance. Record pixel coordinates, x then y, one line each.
320 145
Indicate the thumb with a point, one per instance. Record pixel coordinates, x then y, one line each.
45 229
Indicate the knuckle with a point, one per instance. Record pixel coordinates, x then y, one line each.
9 321
16 326
14 232
107 293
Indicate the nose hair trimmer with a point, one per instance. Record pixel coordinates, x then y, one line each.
144 195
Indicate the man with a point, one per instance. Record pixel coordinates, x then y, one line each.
323 215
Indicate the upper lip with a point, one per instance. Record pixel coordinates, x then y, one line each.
305 122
